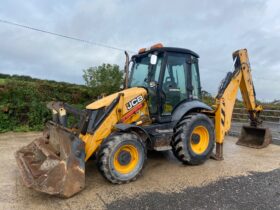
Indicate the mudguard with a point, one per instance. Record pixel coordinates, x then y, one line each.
186 106
126 127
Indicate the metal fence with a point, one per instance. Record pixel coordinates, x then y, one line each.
270 117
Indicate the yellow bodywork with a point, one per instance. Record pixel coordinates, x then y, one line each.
224 105
121 113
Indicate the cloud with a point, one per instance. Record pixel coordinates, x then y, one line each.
212 29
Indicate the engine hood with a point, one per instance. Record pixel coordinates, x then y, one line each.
107 100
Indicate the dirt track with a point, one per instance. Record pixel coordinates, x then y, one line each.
162 174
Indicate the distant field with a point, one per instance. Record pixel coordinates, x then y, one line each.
2 81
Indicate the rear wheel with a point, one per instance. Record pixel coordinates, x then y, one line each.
193 140
122 157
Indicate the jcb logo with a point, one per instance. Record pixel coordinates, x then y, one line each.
134 102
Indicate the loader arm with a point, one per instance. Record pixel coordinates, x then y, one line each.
241 78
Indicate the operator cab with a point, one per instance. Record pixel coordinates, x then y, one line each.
171 75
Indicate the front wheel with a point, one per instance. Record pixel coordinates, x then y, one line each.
122 157
194 139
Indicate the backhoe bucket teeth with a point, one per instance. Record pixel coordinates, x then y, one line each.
254 137
54 163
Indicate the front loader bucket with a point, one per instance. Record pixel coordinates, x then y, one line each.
254 137
54 163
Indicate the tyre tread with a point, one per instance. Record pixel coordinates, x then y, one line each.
104 155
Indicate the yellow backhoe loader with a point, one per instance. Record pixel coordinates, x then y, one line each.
159 109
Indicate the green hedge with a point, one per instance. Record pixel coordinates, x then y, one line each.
23 101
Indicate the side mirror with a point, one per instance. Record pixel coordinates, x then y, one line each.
153 59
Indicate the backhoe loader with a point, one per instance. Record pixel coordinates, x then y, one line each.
159 108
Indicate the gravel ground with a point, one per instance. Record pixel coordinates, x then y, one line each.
165 183
255 191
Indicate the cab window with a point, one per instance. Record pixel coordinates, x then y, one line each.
174 82
155 73
140 72
195 81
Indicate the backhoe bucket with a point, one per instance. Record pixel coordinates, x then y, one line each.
54 163
254 137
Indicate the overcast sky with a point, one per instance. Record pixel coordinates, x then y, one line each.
213 29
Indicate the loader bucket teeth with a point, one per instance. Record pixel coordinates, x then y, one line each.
54 163
254 137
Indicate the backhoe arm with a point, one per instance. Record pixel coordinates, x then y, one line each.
226 97
246 86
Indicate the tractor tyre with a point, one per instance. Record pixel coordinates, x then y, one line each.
193 139
122 157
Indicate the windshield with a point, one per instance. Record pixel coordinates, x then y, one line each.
143 72
139 71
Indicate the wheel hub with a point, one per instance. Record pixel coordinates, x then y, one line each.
199 139
195 138
124 157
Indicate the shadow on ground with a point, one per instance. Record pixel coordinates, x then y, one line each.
255 191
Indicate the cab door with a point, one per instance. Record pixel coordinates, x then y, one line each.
174 82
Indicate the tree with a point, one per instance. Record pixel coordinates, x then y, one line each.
207 98
104 79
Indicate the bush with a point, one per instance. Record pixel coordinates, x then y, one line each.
104 79
23 101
